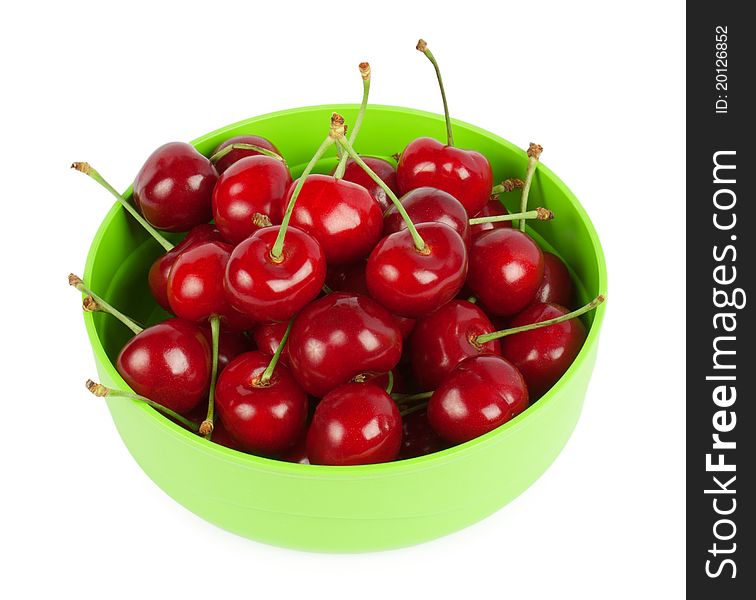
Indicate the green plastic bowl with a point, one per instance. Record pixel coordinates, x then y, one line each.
363 508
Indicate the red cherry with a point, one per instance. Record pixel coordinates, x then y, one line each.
506 268
543 355
238 153
268 336
223 438
429 205
298 452
355 424
412 283
255 185
263 418
444 338
270 290
493 208
161 268
465 174
340 336
481 393
168 363
384 169
173 188
418 437
556 286
341 215
231 343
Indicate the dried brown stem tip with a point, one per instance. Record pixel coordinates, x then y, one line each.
544 214
74 280
82 166
89 304
534 150
511 184
206 428
97 389
421 45
338 128
261 220
365 70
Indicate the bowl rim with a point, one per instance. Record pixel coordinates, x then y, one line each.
432 460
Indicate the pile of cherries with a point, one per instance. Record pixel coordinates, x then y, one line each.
377 313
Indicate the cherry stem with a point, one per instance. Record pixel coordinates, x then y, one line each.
276 252
268 373
87 169
101 391
472 300
402 398
412 409
534 153
390 384
76 281
422 46
206 428
240 146
542 214
365 72
489 337
419 242
508 185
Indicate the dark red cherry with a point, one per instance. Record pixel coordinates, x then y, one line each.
173 189
444 338
263 418
412 283
271 290
418 437
168 363
506 269
556 286
481 393
543 355
429 205
237 154
251 188
268 336
384 169
355 424
231 343
341 215
161 268
493 208
298 452
340 336
465 174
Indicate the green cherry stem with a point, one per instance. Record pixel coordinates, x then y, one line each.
534 153
390 384
402 398
488 337
101 391
422 46
508 185
100 304
87 169
542 214
268 373
240 146
206 428
365 73
412 409
419 242
337 124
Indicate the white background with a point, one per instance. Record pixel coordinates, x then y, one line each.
598 84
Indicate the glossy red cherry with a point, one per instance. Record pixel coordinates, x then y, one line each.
493 208
340 336
298 452
418 437
429 205
412 283
465 174
341 215
173 189
231 343
556 286
268 336
168 363
262 417
506 269
157 278
444 338
481 393
543 355
222 164
250 189
355 424
270 290
384 169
